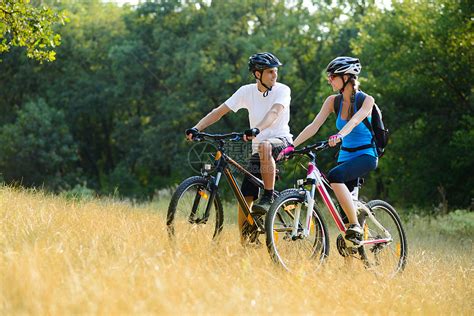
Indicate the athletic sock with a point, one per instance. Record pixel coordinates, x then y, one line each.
268 192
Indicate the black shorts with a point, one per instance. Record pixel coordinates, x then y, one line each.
250 189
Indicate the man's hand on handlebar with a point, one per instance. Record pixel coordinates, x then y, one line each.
250 133
191 133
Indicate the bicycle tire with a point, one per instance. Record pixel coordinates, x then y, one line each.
286 251
387 259
180 209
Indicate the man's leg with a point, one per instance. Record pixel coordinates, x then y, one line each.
267 152
267 165
250 192
241 218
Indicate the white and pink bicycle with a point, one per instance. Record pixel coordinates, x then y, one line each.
297 233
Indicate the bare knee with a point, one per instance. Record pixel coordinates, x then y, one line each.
265 150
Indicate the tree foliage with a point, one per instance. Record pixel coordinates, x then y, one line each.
25 25
419 64
37 149
129 80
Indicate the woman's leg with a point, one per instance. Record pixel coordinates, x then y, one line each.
345 200
347 171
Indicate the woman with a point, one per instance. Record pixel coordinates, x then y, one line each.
356 157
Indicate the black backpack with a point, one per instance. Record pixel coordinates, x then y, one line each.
377 128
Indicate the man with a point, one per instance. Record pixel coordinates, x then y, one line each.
268 104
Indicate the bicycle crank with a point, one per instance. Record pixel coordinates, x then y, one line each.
342 247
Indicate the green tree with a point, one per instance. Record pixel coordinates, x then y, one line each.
25 25
419 56
38 149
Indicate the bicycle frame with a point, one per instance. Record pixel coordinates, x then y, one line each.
317 181
222 162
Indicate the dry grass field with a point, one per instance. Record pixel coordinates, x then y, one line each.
62 257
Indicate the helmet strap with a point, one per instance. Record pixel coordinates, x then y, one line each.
266 87
344 83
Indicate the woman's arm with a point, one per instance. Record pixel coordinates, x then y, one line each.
319 120
359 116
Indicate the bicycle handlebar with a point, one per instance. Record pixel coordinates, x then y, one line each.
229 136
305 150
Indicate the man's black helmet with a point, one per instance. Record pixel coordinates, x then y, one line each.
344 66
262 61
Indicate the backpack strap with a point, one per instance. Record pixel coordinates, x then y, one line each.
358 105
354 149
360 98
337 103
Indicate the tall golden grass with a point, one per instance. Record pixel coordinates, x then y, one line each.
62 257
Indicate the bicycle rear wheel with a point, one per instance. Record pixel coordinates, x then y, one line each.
290 251
187 216
384 258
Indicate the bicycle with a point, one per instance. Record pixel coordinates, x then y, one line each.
295 235
196 201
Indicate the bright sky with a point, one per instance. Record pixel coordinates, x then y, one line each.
380 3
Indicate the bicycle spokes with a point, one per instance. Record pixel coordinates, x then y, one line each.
384 246
189 211
286 240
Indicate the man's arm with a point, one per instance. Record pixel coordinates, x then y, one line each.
270 117
212 117
268 120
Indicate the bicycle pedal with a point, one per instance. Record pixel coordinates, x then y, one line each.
352 250
343 249
257 210
355 241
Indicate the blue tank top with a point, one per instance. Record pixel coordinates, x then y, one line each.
360 135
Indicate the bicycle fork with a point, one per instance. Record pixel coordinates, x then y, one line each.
310 204
388 238
314 178
200 194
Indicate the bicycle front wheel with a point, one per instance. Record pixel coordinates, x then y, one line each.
386 258
187 218
293 248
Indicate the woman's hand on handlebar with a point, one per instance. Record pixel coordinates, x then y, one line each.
285 152
334 139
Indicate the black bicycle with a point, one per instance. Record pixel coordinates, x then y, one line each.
196 207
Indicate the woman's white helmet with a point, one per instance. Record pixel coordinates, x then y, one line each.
344 66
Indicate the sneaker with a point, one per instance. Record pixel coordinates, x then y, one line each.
262 206
354 233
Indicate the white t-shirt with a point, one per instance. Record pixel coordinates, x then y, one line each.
248 97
